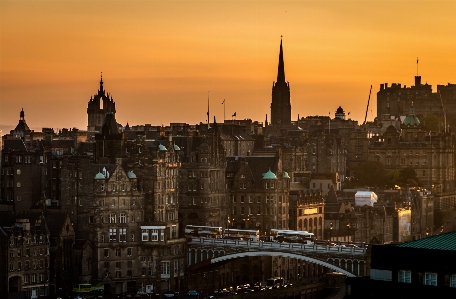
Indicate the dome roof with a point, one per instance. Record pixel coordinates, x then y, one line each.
176 148
285 175
99 176
162 147
131 175
269 175
411 120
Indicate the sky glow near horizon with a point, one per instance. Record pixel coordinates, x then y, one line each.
160 58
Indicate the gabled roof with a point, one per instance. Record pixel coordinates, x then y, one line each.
446 241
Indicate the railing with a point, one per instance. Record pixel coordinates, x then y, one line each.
281 246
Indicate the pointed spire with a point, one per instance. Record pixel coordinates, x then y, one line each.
21 114
281 68
101 82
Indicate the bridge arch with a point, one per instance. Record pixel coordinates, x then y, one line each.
282 254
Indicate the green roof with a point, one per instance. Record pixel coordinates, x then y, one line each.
131 175
269 175
411 120
99 176
285 175
446 241
176 148
162 147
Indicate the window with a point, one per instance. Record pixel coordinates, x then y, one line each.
118 274
11 267
123 218
112 235
106 252
430 278
18 184
19 266
165 268
129 251
242 199
106 265
118 253
242 185
123 235
18 172
33 277
26 278
118 265
145 235
112 218
453 281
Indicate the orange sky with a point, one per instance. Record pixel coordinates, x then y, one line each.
160 58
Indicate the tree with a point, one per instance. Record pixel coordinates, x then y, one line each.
370 173
407 176
392 178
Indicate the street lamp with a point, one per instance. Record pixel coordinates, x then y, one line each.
348 231
330 230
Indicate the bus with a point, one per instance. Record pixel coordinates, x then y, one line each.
294 236
275 282
88 290
204 231
242 234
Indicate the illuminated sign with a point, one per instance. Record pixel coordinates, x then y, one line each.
310 211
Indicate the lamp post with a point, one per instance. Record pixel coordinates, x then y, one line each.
330 230
348 231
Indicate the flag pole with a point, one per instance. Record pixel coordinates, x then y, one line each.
208 118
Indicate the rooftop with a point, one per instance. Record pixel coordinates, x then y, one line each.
446 241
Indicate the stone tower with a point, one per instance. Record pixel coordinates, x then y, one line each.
280 106
98 106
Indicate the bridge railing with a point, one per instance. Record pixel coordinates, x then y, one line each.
279 246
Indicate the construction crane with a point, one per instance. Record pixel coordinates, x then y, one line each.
367 108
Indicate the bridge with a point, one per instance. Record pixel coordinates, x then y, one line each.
203 252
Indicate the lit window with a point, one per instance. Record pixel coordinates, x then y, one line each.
453 281
430 279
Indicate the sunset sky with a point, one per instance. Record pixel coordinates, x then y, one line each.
160 58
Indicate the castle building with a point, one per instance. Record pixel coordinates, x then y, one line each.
100 104
280 106
393 101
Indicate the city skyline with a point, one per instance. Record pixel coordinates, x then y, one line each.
160 59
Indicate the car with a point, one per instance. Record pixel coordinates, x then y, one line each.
193 293
352 246
332 244
169 294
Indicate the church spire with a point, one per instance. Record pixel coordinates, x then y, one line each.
101 83
281 68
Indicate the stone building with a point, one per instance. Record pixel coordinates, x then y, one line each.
26 256
306 210
202 193
430 154
280 105
99 105
258 189
393 101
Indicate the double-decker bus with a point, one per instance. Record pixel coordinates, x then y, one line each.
204 231
242 234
